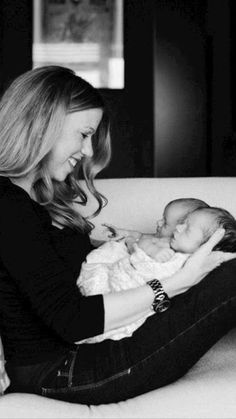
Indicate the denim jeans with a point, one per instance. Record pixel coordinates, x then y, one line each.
162 350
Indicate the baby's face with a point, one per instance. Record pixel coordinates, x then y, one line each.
194 231
173 215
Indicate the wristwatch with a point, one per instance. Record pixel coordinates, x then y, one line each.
161 300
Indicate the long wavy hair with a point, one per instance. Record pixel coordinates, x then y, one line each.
32 114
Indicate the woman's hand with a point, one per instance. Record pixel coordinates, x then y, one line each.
126 306
203 261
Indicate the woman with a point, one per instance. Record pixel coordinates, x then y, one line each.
54 124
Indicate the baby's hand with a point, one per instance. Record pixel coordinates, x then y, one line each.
130 241
164 255
113 233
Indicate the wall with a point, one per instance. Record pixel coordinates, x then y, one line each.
176 115
193 101
15 39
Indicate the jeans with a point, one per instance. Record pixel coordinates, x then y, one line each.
162 350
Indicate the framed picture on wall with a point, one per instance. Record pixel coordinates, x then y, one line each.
85 35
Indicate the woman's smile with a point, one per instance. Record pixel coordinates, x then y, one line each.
73 162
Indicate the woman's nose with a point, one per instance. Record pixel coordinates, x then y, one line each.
87 148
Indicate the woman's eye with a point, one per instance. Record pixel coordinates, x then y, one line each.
84 135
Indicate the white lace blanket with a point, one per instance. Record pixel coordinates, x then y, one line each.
111 268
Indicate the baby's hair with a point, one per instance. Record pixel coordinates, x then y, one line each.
191 204
223 219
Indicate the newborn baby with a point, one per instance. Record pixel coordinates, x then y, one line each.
114 266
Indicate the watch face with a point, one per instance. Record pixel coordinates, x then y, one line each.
162 306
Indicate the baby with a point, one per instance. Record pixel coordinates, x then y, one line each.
114 267
129 262
194 230
174 212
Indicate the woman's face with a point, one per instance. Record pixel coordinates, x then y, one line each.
74 143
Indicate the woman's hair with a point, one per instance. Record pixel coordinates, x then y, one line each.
32 114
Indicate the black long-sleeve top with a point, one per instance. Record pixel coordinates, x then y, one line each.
42 312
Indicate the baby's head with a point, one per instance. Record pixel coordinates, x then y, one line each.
175 212
199 226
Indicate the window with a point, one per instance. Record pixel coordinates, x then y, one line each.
84 35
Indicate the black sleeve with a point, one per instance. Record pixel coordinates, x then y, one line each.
42 277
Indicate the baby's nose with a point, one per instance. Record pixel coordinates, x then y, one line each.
180 228
160 223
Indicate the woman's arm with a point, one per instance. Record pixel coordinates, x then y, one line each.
127 306
44 280
49 286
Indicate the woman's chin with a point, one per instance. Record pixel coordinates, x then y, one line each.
61 176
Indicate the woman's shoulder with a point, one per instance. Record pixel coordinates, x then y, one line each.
15 203
4 184
9 191
15 200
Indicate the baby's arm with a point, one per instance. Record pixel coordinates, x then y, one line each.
163 255
96 243
115 233
156 248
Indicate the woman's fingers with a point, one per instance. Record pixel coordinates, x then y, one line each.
213 240
228 256
216 258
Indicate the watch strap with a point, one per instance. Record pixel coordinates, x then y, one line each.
161 300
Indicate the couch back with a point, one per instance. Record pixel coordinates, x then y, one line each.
136 203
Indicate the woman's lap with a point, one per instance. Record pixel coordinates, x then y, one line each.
159 352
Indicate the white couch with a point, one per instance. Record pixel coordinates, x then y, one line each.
208 390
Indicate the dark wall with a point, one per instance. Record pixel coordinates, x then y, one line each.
193 95
180 88
176 115
221 29
15 39
131 109
132 118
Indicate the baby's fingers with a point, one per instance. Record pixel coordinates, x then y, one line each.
110 230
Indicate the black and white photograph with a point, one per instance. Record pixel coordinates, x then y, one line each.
117 209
